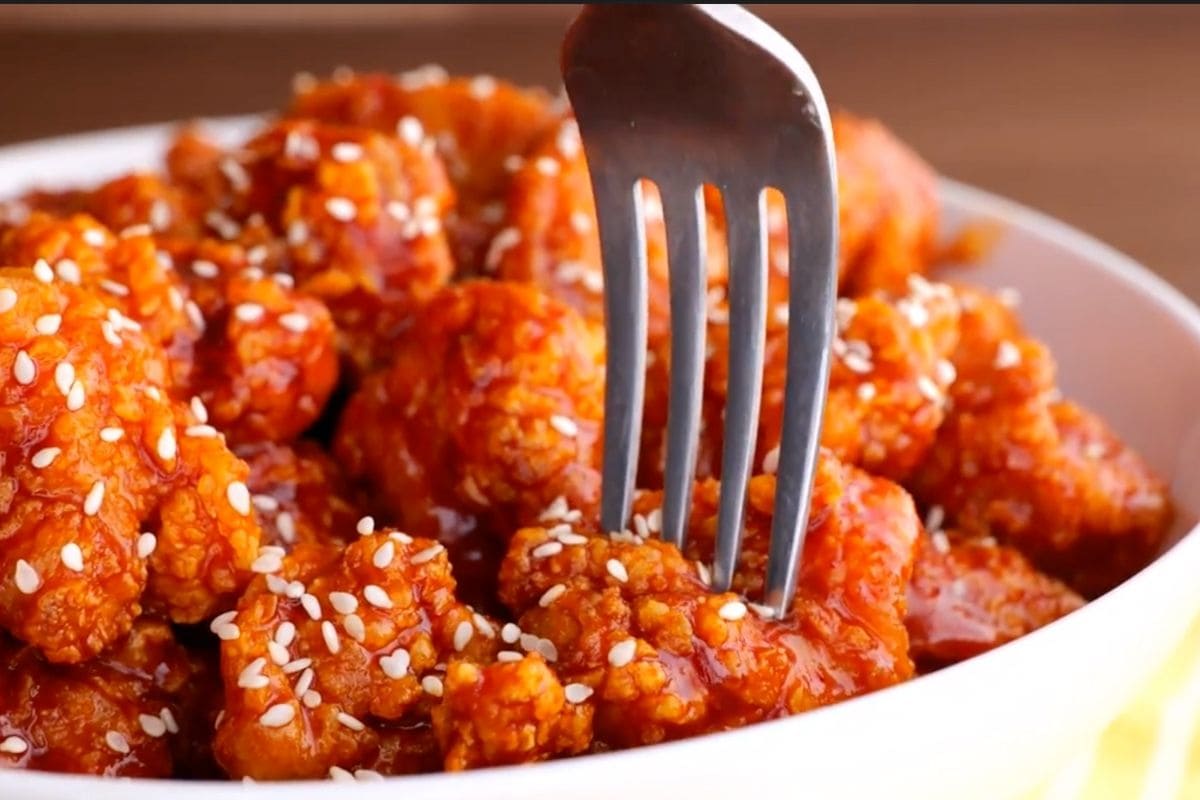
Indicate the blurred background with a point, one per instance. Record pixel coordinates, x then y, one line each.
1089 113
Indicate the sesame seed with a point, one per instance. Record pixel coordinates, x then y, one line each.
703 572
235 173
410 130
510 633
95 496
508 656
72 557
311 605
367 776
564 425
343 602
160 215
276 585
770 462
766 612
351 722
929 389
1007 355
622 652
581 222
286 525
48 324
42 271
64 376
577 692
935 518
112 287
641 526
329 634
146 543
513 162
264 502
24 370
111 434
68 270
277 715
432 684
365 526
201 432
570 538
311 698
294 321
305 681
428 554
26 577
1009 297
462 635
295 590
341 209
205 269
153 726
547 549
194 315
222 619
504 240
14 745
346 152
383 556
8 299
339 775
251 676
402 538
945 372
855 362
228 632
545 165
76 397
616 569
483 626
546 649
239 497
44 457
298 665
166 446
354 626
482 87
278 653
866 392
376 596
567 139
940 542
550 595
249 312
395 666
117 742
529 642
732 611
267 563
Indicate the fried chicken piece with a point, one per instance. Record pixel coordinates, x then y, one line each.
94 456
327 643
887 208
634 620
508 713
128 712
361 215
887 385
1036 472
969 596
258 354
300 495
478 126
490 411
127 204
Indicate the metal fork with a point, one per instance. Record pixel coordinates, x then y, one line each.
685 95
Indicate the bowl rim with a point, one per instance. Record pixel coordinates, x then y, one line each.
532 778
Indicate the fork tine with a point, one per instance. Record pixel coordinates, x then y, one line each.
623 251
683 212
747 335
812 278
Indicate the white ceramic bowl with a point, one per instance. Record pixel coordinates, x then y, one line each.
1128 346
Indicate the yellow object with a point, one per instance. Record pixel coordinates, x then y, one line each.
1150 752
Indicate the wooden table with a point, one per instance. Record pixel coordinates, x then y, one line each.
1089 113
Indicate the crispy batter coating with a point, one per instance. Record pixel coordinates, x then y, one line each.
490 411
129 202
633 620
129 712
327 644
478 126
1036 472
969 596
508 713
300 494
94 454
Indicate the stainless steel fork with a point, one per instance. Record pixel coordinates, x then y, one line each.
685 95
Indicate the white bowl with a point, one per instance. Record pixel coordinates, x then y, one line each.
1128 346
